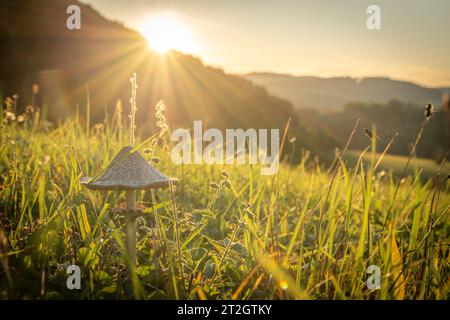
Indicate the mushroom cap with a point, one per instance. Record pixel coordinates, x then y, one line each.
129 171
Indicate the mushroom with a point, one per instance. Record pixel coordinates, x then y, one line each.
129 171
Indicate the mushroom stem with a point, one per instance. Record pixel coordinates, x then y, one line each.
131 226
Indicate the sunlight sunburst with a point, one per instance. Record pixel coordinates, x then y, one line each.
165 32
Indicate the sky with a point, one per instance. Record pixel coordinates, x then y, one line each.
321 38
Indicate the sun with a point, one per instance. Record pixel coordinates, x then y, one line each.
165 32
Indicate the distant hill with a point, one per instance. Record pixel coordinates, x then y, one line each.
335 93
444 90
37 48
387 119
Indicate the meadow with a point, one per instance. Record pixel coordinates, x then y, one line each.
396 163
308 232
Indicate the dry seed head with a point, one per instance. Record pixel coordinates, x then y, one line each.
429 109
133 109
160 106
161 121
155 159
214 185
8 103
369 133
10 116
98 128
29 109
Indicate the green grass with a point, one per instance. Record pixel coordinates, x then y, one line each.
301 234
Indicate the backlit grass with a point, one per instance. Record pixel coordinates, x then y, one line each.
298 234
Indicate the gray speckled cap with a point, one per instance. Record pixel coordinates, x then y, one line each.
128 171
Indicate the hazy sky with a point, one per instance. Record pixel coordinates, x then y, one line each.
320 37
